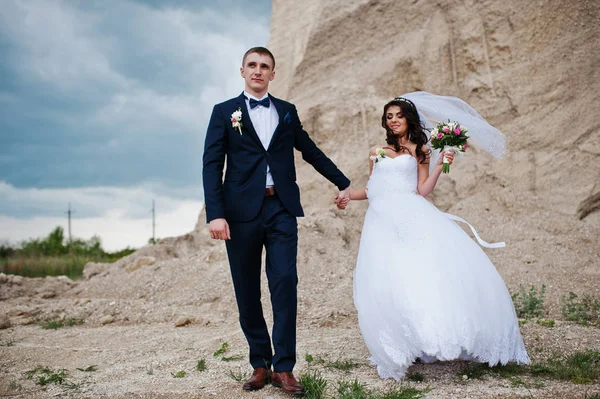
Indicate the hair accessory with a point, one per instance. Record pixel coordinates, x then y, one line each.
406 100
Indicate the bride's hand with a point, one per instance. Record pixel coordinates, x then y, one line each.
449 156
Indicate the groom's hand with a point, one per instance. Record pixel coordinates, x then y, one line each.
219 229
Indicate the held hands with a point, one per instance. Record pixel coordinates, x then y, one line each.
342 199
343 203
219 229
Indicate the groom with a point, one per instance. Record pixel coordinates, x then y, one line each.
256 206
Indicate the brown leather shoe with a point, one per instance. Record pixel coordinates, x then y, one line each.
286 381
260 377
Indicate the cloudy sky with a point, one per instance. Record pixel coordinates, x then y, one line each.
104 105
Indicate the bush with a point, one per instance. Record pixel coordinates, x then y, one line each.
585 311
529 304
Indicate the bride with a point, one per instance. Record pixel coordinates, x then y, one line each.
423 289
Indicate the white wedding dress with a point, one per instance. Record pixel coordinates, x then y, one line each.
422 287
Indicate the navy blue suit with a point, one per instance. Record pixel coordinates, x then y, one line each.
256 221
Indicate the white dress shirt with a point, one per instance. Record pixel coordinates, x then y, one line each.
265 121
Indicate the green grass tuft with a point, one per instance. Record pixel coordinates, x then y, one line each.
72 386
44 375
356 390
516 382
475 371
509 370
238 376
352 390
201 365
579 368
546 323
233 358
54 324
29 374
340 364
314 385
416 377
480 370
179 374
221 350
522 322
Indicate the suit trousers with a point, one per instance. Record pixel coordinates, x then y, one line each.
275 229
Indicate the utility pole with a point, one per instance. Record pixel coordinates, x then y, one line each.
153 223
69 212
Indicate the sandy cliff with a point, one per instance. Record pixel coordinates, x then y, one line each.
529 67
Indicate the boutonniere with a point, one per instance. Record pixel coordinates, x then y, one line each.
236 120
378 155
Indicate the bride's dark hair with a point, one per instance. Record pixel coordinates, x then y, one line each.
415 132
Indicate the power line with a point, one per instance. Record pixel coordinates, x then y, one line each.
69 212
153 223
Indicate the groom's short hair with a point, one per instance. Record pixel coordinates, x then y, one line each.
259 50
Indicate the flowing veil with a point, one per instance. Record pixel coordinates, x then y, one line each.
433 109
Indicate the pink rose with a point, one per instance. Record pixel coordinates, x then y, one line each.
234 120
446 129
465 146
457 131
440 135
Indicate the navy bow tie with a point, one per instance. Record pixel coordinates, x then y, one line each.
264 102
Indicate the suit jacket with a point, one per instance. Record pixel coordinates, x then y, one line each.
240 195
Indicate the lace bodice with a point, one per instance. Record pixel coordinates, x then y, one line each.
393 176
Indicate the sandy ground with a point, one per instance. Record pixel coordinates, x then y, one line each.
138 362
130 309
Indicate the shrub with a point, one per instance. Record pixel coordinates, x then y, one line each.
529 304
582 311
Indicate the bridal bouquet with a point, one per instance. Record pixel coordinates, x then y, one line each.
449 136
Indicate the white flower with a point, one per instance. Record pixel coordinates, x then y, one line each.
236 120
378 156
